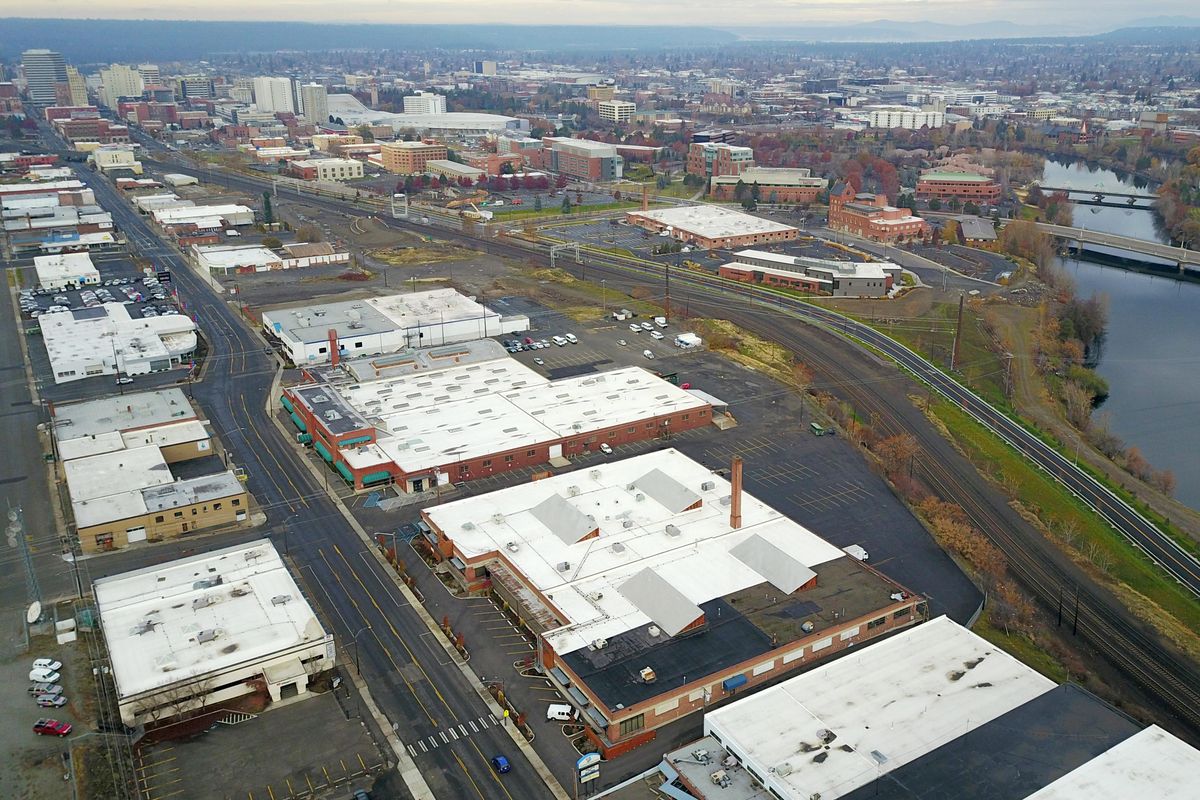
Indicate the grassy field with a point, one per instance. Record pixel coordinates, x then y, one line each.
1091 541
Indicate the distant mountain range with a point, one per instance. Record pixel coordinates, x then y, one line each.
101 41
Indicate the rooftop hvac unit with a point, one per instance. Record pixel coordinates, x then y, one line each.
630 487
572 491
729 762
468 526
318 398
673 530
201 602
208 583
648 675
281 599
707 486
594 474
639 497
497 518
700 755
807 627
783 770
599 644
654 631
617 547
595 597
207 635
512 547
719 777
628 523
241 591
564 566
726 500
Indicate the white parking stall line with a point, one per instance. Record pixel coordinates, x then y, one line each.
433 742
473 728
445 738
424 749
412 751
453 734
463 728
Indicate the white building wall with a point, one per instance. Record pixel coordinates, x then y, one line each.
425 103
274 94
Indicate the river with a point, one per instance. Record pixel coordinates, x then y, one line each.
1150 357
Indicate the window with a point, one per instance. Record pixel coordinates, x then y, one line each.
687 416
531 453
322 349
631 430
902 613
237 501
158 519
193 511
633 724
508 459
487 462
875 623
358 344
216 506
178 515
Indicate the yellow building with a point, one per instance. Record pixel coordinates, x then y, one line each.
408 158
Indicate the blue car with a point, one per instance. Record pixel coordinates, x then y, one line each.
500 764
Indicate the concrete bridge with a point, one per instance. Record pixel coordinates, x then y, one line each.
1102 197
1182 257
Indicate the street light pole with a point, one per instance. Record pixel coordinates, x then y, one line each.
357 663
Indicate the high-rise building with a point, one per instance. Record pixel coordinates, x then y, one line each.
44 69
150 74
77 94
616 110
314 100
424 103
484 68
274 95
118 81
200 86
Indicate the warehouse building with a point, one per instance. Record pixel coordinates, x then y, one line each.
229 214
67 269
460 413
105 340
657 588
927 713
712 227
817 275
326 169
194 633
118 455
387 324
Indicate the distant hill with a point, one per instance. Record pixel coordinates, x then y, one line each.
884 30
1165 34
103 40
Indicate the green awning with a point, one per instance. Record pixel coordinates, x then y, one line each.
303 438
325 454
355 440
340 467
374 477
283 400
299 422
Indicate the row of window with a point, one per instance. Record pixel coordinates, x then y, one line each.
237 501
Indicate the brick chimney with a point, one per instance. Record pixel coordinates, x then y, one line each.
735 498
333 347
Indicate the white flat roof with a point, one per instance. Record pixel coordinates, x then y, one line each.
159 435
899 698
245 256
84 337
187 214
712 222
121 412
63 266
153 617
1151 763
640 507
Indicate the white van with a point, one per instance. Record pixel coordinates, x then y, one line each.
856 551
572 338
558 340
559 712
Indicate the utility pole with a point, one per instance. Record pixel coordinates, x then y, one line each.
667 292
962 298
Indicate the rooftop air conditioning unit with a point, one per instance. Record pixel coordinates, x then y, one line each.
497 518
719 777
673 530
594 474
726 500
201 602
627 523
707 486
639 497
564 566
647 674
512 547
595 597
281 599
617 547
207 635
700 755
654 631
572 491
599 644
629 487
783 770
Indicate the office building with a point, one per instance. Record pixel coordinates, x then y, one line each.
179 644
76 93
713 159
910 118
199 87
869 216
816 275
484 68
314 101
656 587
598 93
958 186
119 81
424 103
106 340
44 70
409 158
274 95
326 169
616 110
151 76
581 158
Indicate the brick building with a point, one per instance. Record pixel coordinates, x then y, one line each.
656 588
493 163
774 185
581 158
712 159
870 216
958 186
326 169
408 158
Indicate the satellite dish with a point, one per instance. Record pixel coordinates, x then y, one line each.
34 613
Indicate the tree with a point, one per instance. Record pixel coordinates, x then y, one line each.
272 242
560 181
566 205
364 131
1078 402
935 204
950 232
895 452
268 211
537 202
308 233
970 208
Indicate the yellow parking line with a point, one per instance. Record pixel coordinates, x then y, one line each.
360 761
311 789
250 795
343 763
156 763
271 791
291 791
328 779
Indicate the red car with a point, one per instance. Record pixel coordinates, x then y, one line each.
52 727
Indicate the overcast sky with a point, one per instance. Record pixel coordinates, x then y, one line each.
1091 14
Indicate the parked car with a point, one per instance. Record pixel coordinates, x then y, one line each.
52 727
633 326
604 448
124 380
648 353
539 362
572 338
622 342
560 712
47 663
45 688
50 700
499 763
646 326
655 335
43 676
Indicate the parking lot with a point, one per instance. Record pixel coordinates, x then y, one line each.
309 748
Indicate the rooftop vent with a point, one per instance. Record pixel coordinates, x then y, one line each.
512 547
201 602
673 530
628 523
281 599
594 474
648 675
207 635
617 547
564 566
598 644
654 631
572 491
595 597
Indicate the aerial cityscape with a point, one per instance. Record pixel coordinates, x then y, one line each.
785 401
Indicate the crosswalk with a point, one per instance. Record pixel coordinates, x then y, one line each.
451 734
